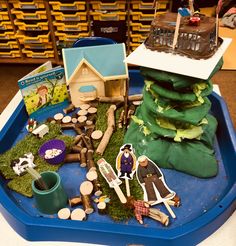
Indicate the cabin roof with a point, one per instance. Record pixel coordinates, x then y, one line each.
107 60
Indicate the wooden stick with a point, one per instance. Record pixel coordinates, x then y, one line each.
127 187
111 99
83 158
77 139
64 213
90 162
217 29
136 97
77 200
89 130
169 209
69 109
121 119
78 129
86 189
87 205
92 175
97 189
109 131
120 194
67 126
176 31
73 157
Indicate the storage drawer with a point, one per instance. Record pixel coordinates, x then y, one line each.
7 35
149 5
139 27
139 16
9 45
138 38
110 16
32 15
3 5
36 4
39 46
112 5
77 5
24 38
6 25
31 26
70 37
38 54
4 15
71 26
79 16
10 54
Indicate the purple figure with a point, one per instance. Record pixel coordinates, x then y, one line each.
126 161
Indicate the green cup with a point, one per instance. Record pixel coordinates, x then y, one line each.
52 200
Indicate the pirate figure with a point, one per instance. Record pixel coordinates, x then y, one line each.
149 175
126 161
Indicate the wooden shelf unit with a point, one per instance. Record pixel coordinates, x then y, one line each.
97 13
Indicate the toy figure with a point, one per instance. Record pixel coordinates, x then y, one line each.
31 125
126 161
42 91
149 175
108 173
142 208
20 165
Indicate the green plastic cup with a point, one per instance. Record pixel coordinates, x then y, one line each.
52 200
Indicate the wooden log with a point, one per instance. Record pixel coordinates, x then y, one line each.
75 201
74 118
111 99
90 162
69 109
97 188
51 120
64 214
76 149
102 208
66 119
78 130
67 126
87 205
58 116
73 157
86 189
96 135
82 119
90 130
78 214
77 139
92 175
83 157
121 119
109 131
136 97
87 141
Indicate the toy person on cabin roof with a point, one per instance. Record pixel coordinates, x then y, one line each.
126 161
149 175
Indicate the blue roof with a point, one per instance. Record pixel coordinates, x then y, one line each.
108 60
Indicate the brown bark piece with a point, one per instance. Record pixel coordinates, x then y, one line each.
109 131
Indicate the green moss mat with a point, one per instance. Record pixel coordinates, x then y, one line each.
22 184
116 210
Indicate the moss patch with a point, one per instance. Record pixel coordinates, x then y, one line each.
116 210
22 184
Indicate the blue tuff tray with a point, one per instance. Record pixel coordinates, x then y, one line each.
206 203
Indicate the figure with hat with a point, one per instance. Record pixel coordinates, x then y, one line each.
126 162
151 178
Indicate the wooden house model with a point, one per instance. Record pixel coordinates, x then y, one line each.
95 71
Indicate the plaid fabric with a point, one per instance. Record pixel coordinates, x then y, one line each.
140 209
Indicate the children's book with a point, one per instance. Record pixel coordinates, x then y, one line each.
43 89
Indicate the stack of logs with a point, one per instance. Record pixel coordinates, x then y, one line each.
83 123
